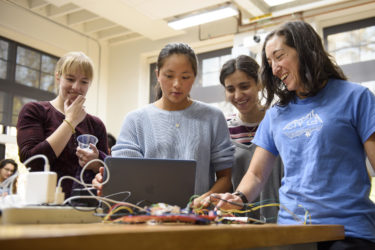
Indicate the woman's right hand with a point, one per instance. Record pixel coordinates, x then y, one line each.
98 180
75 112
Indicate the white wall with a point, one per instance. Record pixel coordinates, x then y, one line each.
37 32
128 72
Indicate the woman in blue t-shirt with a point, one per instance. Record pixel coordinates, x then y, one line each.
322 126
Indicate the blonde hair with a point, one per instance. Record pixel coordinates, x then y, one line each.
73 61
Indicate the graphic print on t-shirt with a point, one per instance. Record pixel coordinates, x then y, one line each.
303 126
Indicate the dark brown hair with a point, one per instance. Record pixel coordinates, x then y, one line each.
171 49
7 161
243 63
315 64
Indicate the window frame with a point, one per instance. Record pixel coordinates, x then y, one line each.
11 88
209 94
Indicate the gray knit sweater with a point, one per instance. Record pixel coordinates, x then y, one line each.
198 133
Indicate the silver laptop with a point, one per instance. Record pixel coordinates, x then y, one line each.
150 181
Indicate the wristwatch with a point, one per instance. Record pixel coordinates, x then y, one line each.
242 196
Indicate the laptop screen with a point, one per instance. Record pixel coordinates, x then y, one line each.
150 181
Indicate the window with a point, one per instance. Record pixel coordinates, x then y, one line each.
207 87
353 46
211 69
3 58
26 75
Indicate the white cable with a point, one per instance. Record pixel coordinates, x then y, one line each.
14 177
4 185
121 192
105 200
82 182
46 162
86 185
98 198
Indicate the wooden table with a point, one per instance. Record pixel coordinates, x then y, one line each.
165 236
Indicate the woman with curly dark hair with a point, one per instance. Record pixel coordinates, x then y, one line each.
322 126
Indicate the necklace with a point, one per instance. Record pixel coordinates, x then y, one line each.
251 131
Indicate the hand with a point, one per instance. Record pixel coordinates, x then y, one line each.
98 180
225 201
201 201
84 156
75 112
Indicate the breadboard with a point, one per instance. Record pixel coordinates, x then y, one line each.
48 215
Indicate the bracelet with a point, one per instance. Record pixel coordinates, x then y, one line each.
71 126
242 196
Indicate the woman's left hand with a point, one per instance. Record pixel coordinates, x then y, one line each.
201 201
84 156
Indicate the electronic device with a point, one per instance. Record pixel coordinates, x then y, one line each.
150 181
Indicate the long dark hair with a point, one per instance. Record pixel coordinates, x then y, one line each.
243 63
171 49
316 65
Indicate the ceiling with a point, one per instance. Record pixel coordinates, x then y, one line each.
119 21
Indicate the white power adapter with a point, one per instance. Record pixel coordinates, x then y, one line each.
37 187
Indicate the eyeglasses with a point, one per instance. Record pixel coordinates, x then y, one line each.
9 170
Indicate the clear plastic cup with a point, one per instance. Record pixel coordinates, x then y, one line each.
85 140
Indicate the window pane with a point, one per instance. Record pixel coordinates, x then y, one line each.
368 52
210 65
48 64
28 57
347 55
4 49
224 59
27 76
353 46
369 34
210 79
47 83
3 69
18 102
211 70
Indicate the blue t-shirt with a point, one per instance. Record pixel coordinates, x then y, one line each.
320 140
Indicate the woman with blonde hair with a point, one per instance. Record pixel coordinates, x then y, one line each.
52 127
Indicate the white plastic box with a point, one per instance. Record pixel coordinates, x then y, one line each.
36 188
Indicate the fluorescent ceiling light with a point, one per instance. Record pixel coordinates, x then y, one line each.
272 3
205 17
